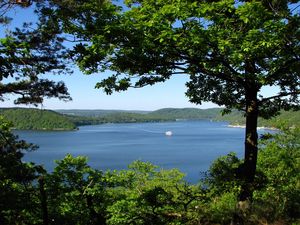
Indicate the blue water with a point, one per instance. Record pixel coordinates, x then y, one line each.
191 148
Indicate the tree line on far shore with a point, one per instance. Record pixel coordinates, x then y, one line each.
36 119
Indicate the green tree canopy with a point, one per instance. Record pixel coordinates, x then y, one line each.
28 52
230 49
25 54
17 196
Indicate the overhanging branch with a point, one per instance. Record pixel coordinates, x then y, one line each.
283 68
280 96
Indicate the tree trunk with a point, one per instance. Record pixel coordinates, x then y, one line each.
251 137
96 218
43 200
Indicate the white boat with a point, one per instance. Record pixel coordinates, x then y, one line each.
169 133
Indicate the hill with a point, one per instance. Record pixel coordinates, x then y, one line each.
114 116
186 113
96 112
37 119
286 118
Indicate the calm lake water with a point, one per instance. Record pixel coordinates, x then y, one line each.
191 148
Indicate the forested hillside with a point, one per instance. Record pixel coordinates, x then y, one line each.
114 116
36 119
285 118
187 113
175 113
96 112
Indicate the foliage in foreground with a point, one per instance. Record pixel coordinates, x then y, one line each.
75 193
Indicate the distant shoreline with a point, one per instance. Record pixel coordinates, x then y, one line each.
35 119
258 128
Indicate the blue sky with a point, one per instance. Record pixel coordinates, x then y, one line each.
168 94
85 96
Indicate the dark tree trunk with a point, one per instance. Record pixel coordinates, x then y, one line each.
251 137
96 218
43 200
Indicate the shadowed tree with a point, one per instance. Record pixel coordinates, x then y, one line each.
25 54
18 201
230 49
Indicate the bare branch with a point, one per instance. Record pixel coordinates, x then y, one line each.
295 8
181 68
280 96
